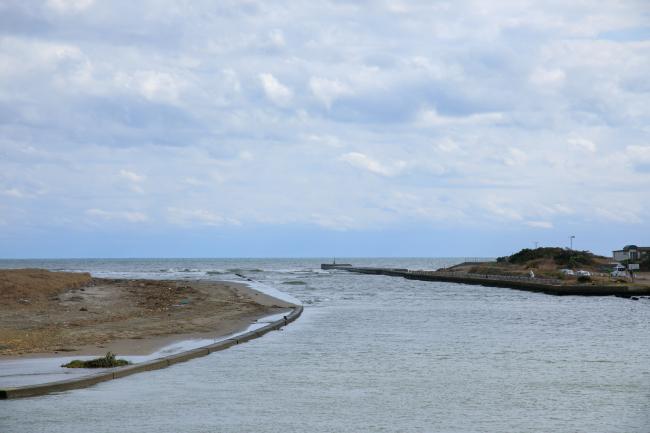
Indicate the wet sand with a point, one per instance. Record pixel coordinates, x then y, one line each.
62 314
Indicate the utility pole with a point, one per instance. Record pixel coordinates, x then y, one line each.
536 242
571 238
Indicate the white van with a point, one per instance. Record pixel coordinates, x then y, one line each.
619 271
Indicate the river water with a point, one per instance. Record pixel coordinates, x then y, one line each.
377 354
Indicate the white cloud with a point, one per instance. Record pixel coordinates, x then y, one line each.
246 155
618 214
129 216
153 85
278 93
335 222
13 192
430 117
447 145
547 77
447 105
327 91
231 79
540 224
364 162
190 217
192 181
582 144
324 140
131 176
638 153
134 179
503 211
514 157
69 5
276 36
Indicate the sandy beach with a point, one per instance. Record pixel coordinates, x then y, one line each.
46 313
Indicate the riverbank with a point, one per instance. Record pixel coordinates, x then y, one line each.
46 313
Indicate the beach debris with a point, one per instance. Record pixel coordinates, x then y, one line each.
182 303
108 361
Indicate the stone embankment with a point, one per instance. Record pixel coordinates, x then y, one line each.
542 285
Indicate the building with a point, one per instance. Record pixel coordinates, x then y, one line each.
631 252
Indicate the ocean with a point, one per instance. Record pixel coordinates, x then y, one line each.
376 354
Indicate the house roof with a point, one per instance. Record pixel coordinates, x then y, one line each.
634 247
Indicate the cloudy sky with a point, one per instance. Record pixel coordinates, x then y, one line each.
301 128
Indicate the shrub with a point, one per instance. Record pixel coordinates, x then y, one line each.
561 256
528 254
584 279
573 258
107 361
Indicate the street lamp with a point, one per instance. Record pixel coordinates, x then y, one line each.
571 238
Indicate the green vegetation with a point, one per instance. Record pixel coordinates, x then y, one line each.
107 361
495 270
561 256
584 279
644 265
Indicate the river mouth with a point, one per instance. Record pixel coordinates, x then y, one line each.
375 353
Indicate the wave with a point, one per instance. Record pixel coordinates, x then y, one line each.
173 270
315 300
242 270
295 283
298 271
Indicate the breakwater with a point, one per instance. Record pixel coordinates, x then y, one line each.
542 285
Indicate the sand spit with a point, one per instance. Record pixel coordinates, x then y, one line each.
45 313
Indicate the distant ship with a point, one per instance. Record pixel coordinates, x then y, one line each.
335 265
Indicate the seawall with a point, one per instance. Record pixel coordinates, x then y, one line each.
550 287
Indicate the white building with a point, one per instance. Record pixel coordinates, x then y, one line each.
631 252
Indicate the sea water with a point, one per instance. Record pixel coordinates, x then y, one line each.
377 354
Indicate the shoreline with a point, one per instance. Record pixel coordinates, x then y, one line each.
43 315
146 346
159 363
222 342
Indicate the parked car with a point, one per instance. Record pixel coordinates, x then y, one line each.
582 273
619 271
568 272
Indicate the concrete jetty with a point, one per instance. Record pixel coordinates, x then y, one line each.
542 285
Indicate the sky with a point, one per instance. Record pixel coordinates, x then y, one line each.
332 128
